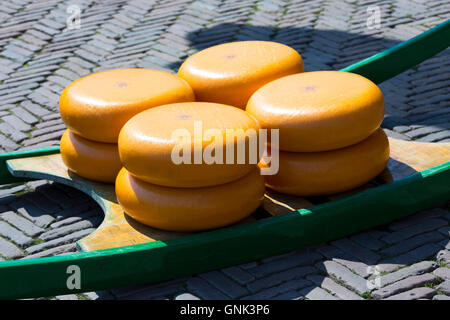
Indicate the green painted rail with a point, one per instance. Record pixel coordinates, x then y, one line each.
162 260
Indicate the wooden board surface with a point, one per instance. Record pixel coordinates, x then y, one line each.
118 229
406 158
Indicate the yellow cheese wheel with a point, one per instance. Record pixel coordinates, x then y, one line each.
329 172
319 111
189 209
97 106
89 159
160 145
229 73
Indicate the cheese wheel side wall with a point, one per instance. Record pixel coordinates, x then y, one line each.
330 172
189 209
92 160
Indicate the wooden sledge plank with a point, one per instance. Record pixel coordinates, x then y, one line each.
407 158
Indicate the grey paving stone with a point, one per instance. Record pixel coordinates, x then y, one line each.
204 290
7 144
316 293
414 294
156 292
67 297
285 262
404 285
437 136
15 235
352 263
445 231
441 297
71 247
330 285
414 242
248 265
366 240
65 222
65 230
32 213
16 123
420 132
443 273
424 226
35 108
417 218
413 270
186 296
11 190
277 278
344 276
59 241
238 274
46 206
289 295
12 133
444 287
443 256
292 285
9 251
420 253
224 284
356 250
98 295
21 223
24 115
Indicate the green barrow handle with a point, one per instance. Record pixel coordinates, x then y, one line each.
391 62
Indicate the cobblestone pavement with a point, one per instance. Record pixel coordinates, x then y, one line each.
39 57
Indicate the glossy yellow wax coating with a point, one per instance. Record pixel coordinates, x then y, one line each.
189 209
88 159
319 111
147 141
97 106
330 172
230 73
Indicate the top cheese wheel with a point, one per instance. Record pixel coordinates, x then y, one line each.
229 73
97 106
319 111
186 144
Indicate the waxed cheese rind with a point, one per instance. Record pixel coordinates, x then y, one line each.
230 73
320 110
189 209
89 159
98 105
147 141
331 172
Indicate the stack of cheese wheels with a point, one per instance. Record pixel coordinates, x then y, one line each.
178 174
96 107
330 139
230 73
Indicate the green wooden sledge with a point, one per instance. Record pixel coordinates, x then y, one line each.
122 252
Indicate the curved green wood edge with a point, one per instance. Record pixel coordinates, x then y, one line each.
393 61
162 260
6 176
